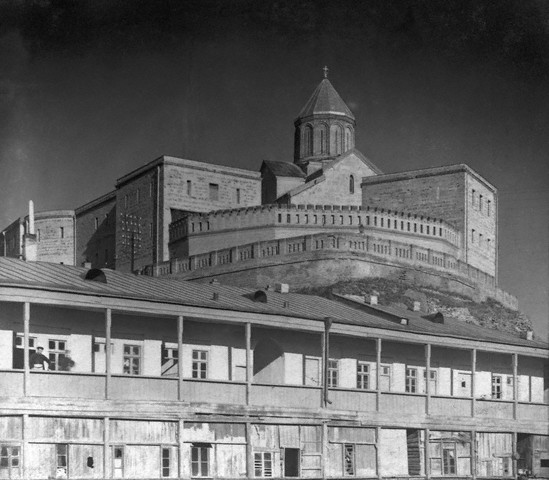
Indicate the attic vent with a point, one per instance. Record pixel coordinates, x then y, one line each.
435 317
96 275
260 296
215 296
286 304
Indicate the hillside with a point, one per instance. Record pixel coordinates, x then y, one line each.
489 314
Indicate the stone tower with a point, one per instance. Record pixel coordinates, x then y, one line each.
324 129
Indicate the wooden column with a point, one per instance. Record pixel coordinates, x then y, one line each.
26 328
473 454
249 372
514 457
378 374
180 357
473 380
108 351
25 446
324 458
180 447
428 378
515 385
106 449
427 454
378 453
250 467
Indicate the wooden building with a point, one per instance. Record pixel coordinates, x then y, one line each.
158 378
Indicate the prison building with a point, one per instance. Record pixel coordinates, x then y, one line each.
111 375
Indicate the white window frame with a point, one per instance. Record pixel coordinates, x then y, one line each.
117 471
352 464
411 380
362 375
130 357
260 464
199 462
55 353
333 373
196 362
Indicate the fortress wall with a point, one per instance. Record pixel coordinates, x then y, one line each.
55 237
481 234
135 209
95 239
441 196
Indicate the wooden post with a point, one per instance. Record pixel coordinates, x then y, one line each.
106 449
249 373
378 374
428 378
249 450
473 380
324 457
473 454
25 446
514 457
180 446
378 453
26 328
515 386
427 454
180 357
108 351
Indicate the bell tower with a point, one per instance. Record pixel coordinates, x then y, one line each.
324 129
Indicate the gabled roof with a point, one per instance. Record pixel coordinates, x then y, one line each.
54 278
325 100
282 169
348 153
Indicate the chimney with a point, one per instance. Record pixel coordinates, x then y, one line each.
87 265
373 298
529 335
282 287
404 321
31 218
416 307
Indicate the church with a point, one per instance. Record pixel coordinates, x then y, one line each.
331 209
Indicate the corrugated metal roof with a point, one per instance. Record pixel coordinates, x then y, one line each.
64 278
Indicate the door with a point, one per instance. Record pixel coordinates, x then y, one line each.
291 462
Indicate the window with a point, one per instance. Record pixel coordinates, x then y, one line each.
125 201
348 459
238 196
118 461
57 353
333 373
10 461
62 456
497 386
20 340
189 188
200 364
385 377
362 376
62 232
411 380
132 360
308 141
214 191
450 453
480 202
38 235
473 235
263 464
473 193
351 184
166 462
200 460
488 207
137 195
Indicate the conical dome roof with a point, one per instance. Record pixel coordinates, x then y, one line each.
325 100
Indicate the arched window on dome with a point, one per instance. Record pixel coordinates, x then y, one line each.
351 184
348 139
339 140
308 141
336 140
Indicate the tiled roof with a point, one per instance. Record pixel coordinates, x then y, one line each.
325 99
64 278
283 169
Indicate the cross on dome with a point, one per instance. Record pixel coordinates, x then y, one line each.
326 70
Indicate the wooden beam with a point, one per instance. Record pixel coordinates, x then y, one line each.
473 454
249 452
25 447
180 357
106 447
108 352
180 446
249 372
378 453
26 328
427 454
473 380
324 457
378 374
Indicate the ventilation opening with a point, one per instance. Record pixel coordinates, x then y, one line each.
435 317
96 275
260 296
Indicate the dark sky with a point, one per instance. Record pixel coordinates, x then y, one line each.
92 89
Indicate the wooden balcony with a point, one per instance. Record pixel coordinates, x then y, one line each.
288 396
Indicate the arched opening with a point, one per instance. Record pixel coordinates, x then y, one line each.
351 184
308 141
348 139
336 140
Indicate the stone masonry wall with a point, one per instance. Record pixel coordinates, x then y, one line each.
95 233
55 237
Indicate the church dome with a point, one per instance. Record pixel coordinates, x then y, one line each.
324 129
